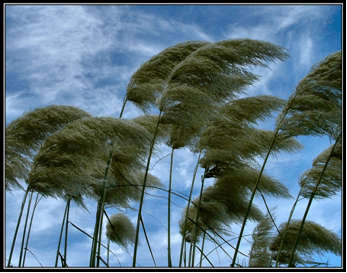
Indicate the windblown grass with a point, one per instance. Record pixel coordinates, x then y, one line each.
148 82
331 182
260 255
315 106
120 230
315 239
72 161
25 135
63 152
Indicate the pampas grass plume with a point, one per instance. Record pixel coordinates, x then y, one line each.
120 230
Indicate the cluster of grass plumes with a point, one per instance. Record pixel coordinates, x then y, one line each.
125 186
228 156
73 160
25 134
211 76
120 230
64 152
259 255
315 106
232 137
148 82
314 239
211 216
331 180
220 206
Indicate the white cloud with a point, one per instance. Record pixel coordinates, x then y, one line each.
306 51
64 52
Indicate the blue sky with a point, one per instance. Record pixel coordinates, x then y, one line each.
84 56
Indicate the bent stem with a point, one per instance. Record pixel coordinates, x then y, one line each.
169 212
60 236
143 191
99 217
252 197
197 217
188 205
202 248
17 227
66 229
290 264
286 228
124 103
31 221
101 205
24 230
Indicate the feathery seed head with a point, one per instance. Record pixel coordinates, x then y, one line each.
147 83
314 238
25 134
260 255
120 230
73 161
315 106
331 181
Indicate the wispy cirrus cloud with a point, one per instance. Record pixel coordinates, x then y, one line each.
66 54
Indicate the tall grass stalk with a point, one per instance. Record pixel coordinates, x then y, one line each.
61 235
101 205
85 233
169 212
286 109
24 229
17 227
108 251
214 240
290 264
149 246
286 228
252 197
96 245
99 214
188 205
37 200
202 249
66 229
197 217
143 191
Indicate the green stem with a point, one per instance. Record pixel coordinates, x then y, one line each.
149 246
202 248
108 251
24 230
143 192
203 230
99 216
188 205
290 264
202 254
124 103
85 233
286 228
252 197
60 236
197 215
66 229
30 225
169 211
17 227
101 205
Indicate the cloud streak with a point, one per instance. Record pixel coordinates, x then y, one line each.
62 53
